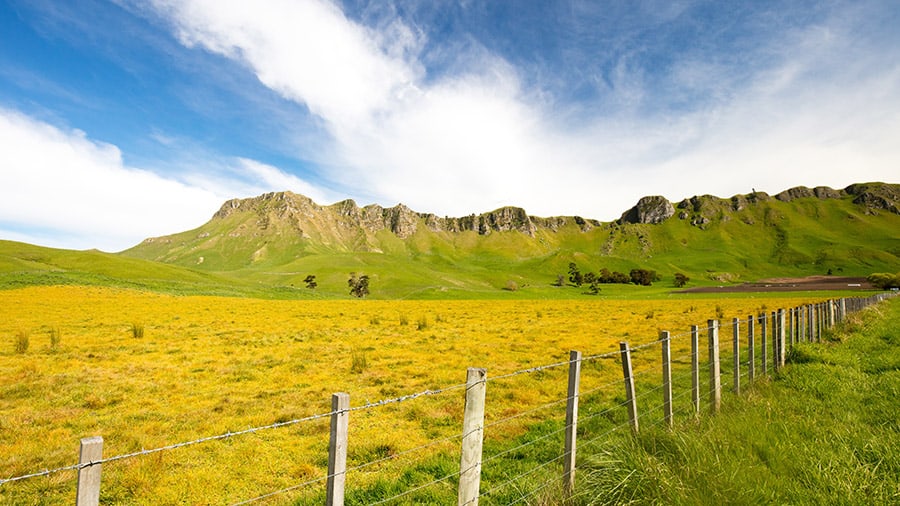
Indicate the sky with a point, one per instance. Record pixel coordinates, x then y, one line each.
125 119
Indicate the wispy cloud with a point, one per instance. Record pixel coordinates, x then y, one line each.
60 188
475 136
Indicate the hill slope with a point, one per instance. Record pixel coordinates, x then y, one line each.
280 238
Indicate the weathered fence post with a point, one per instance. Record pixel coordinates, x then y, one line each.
751 350
774 341
337 449
782 352
667 377
715 381
473 436
736 350
91 450
763 337
571 421
695 368
630 397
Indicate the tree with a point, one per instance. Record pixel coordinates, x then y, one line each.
359 285
575 275
644 277
310 282
681 280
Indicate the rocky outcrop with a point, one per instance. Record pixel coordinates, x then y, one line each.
651 210
819 192
876 196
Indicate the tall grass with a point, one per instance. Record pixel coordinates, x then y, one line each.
21 342
824 430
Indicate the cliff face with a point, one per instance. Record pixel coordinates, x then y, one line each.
299 212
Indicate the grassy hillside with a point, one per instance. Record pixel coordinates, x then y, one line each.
27 265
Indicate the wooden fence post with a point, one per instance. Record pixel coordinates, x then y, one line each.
782 338
736 350
774 342
337 449
571 421
715 385
763 337
811 323
695 368
473 436
667 377
90 450
751 350
630 398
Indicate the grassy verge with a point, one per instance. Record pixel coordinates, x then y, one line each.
825 431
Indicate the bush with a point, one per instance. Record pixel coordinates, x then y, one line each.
358 363
137 330
422 323
884 281
55 338
511 286
22 341
681 280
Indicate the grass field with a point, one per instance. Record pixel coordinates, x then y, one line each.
145 370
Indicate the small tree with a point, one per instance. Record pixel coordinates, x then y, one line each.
310 282
359 285
575 275
681 280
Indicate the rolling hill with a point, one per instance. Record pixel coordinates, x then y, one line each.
269 244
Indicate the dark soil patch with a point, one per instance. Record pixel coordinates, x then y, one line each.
810 283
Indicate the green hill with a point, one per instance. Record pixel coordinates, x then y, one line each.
269 244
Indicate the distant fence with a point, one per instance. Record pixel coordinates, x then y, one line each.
758 345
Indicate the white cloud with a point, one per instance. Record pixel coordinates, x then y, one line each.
474 139
69 191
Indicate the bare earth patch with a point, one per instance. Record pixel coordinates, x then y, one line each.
809 283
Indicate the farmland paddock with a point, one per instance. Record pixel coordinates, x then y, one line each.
660 381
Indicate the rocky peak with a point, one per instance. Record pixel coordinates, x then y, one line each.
653 209
819 192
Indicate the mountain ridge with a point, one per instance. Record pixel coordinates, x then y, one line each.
269 244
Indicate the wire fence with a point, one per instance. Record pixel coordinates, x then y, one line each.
509 469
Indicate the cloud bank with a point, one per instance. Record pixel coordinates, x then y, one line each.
809 109
62 189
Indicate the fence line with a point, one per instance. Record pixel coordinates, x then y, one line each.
803 324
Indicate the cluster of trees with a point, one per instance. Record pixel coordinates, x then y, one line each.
359 284
884 280
643 277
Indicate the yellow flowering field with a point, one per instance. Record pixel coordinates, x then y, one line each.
146 370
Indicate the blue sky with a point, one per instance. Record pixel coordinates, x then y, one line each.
121 120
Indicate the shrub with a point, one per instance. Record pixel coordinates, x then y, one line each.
137 330
511 286
55 337
404 320
422 323
884 280
358 362
22 341
681 280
